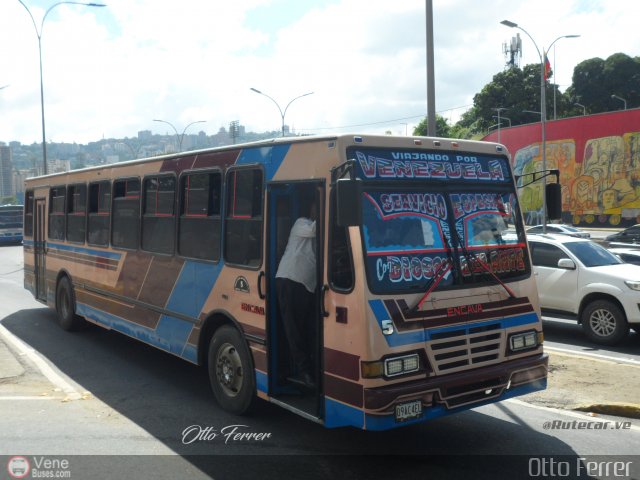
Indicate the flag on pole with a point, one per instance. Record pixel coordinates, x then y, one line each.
547 67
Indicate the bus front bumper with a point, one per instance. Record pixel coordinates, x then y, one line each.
455 392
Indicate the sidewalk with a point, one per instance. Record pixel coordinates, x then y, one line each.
590 385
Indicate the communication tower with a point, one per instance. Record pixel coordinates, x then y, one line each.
513 51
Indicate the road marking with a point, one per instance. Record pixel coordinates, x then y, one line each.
42 365
595 356
567 413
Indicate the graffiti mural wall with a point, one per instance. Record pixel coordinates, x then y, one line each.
599 161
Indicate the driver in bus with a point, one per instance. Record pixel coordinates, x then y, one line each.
295 287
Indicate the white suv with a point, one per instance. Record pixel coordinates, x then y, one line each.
578 277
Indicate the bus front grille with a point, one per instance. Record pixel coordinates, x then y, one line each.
466 347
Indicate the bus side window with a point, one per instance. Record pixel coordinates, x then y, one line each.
99 213
76 212
126 213
199 222
158 218
56 212
243 221
340 263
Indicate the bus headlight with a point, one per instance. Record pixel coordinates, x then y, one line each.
523 341
401 365
391 366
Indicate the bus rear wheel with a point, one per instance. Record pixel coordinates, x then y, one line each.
230 371
65 306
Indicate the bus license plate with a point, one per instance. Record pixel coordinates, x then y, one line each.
409 410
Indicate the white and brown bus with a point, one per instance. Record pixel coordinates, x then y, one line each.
425 306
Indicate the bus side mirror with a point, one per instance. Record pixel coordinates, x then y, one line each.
348 193
553 194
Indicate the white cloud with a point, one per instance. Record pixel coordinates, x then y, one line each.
110 71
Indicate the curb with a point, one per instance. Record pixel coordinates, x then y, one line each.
10 367
617 409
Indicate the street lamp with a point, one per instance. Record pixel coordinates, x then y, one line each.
39 35
584 110
543 112
282 114
554 71
500 109
622 99
180 136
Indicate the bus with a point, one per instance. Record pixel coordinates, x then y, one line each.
11 224
425 304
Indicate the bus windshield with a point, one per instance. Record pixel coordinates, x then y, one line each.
409 233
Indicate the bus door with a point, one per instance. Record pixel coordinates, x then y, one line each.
39 249
286 202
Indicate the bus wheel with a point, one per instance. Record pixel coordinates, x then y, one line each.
230 371
65 306
604 323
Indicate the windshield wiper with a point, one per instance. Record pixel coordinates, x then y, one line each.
473 257
438 275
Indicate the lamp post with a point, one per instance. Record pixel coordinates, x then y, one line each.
39 35
622 99
282 113
543 112
179 136
554 70
584 110
500 109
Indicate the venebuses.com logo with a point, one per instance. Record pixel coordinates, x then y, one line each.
18 467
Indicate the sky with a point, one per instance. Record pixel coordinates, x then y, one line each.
108 72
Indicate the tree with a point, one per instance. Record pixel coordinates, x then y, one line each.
442 128
595 80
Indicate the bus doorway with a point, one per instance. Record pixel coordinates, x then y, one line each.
295 371
39 250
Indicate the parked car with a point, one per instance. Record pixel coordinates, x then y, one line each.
627 255
628 235
579 278
561 229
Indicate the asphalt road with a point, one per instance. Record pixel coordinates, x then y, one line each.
116 408
567 336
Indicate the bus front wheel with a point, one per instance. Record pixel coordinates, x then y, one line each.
65 306
230 371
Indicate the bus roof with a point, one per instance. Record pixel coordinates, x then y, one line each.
347 138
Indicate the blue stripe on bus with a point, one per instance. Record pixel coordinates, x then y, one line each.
262 382
386 422
190 352
340 415
192 288
134 330
140 332
397 339
189 294
270 157
173 333
86 251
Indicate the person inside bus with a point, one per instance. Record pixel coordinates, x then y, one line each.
295 288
